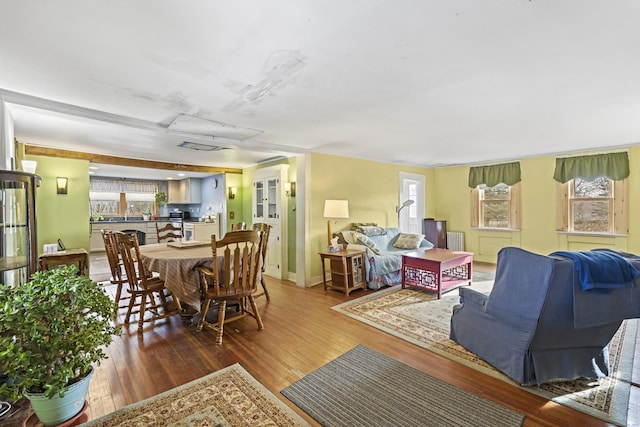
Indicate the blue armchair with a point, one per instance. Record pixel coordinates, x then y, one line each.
534 326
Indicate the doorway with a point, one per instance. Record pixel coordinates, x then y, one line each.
412 187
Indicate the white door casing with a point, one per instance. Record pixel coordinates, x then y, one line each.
412 187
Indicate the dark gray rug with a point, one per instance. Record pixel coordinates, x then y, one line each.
365 388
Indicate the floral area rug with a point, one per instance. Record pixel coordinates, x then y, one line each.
228 397
420 318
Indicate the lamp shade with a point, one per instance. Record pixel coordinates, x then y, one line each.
336 209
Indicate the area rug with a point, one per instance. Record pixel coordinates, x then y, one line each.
365 388
228 397
420 318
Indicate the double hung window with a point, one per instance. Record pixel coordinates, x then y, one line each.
592 193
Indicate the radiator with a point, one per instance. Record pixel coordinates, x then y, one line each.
455 240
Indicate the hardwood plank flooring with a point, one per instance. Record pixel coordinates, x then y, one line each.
301 334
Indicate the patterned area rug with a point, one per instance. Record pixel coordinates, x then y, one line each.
228 397
420 318
350 391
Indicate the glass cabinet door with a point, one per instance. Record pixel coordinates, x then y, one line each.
18 247
258 209
272 197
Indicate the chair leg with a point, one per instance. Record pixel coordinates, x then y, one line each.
143 304
118 296
264 288
132 303
203 314
222 308
252 301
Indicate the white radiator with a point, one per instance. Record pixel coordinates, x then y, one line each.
455 240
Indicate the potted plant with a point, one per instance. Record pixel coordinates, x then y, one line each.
161 198
146 214
52 330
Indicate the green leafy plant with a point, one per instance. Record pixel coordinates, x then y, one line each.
52 329
161 198
146 211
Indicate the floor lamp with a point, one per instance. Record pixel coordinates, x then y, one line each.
335 209
402 206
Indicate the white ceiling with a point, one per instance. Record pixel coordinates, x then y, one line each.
416 82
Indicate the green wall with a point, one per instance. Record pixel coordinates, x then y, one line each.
235 205
62 216
538 212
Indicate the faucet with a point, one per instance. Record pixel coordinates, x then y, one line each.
126 211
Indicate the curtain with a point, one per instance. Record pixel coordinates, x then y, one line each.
614 166
122 186
507 173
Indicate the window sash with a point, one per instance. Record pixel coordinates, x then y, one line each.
514 207
619 217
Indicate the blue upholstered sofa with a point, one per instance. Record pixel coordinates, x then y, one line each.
538 324
384 260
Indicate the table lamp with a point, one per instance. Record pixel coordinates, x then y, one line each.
335 209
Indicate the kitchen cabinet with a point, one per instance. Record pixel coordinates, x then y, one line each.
266 198
18 242
185 191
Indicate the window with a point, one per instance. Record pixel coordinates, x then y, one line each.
495 207
113 198
593 206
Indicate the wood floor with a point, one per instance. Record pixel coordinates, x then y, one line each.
301 334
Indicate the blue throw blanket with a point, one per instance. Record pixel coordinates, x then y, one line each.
601 269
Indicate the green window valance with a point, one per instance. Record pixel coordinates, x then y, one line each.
614 166
507 173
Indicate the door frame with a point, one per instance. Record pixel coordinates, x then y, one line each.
418 208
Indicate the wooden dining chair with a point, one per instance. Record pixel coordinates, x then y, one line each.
169 233
233 278
264 230
239 226
143 285
118 277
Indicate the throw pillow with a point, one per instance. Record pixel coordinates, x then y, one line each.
408 241
369 243
369 230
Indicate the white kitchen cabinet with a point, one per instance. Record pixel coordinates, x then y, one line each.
185 191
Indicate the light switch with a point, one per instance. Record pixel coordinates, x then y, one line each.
232 215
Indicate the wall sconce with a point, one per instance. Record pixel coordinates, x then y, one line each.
61 185
232 192
290 189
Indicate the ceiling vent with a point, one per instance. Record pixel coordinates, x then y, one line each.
200 147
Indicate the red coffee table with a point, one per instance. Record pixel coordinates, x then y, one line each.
437 270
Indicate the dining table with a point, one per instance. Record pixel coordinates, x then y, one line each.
176 263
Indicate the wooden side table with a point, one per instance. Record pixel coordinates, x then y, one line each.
69 256
347 270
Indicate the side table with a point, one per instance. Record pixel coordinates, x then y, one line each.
69 256
347 270
438 270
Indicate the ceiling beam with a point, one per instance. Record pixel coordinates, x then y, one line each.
124 161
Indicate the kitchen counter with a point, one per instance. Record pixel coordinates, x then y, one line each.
135 219
147 233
